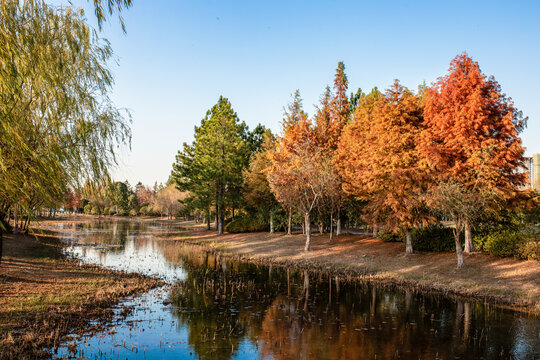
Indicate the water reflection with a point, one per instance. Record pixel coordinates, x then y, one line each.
224 309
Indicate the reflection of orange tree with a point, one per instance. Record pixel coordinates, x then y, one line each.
221 303
381 324
224 303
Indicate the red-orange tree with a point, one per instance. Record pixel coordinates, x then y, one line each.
471 141
380 163
299 172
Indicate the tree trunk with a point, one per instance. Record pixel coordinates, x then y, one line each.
408 242
308 230
459 250
469 246
338 223
1 245
217 217
374 230
321 228
271 223
289 226
220 221
16 221
208 222
332 226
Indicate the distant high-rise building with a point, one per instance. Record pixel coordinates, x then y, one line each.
535 173
529 169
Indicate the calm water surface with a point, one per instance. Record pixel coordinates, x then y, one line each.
220 309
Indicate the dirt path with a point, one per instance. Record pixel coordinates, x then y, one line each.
505 281
44 297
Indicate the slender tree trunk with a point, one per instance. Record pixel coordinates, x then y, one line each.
338 223
332 226
321 228
459 250
208 221
289 226
308 230
408 242
469 246
271 223
375 230
1 245
220 221
217 216
15 221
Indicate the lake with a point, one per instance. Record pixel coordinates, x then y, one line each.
216 308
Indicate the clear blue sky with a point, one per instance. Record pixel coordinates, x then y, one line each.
178 57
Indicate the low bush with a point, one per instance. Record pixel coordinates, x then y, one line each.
435 237
245 224
133 212
530 249
507 243
87 209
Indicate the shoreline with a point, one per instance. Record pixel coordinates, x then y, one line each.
45 297
380 267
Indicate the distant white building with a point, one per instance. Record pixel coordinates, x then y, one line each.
532 166
535 173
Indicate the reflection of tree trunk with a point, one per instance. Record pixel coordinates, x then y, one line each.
374 230
408 300
459 315
288 282
329 290
289 227
466 320
306 289
337 286
308 231
373 300
469 246
408 242
271 223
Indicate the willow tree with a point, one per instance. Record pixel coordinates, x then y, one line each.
58 125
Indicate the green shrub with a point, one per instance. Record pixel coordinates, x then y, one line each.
95 210
530 249
435 237
504 243
87 209
391 236
245 224
133 212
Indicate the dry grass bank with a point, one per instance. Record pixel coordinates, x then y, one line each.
44 297
504 281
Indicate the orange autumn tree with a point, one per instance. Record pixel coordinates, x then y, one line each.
471 143
380 161
330 118
299 171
